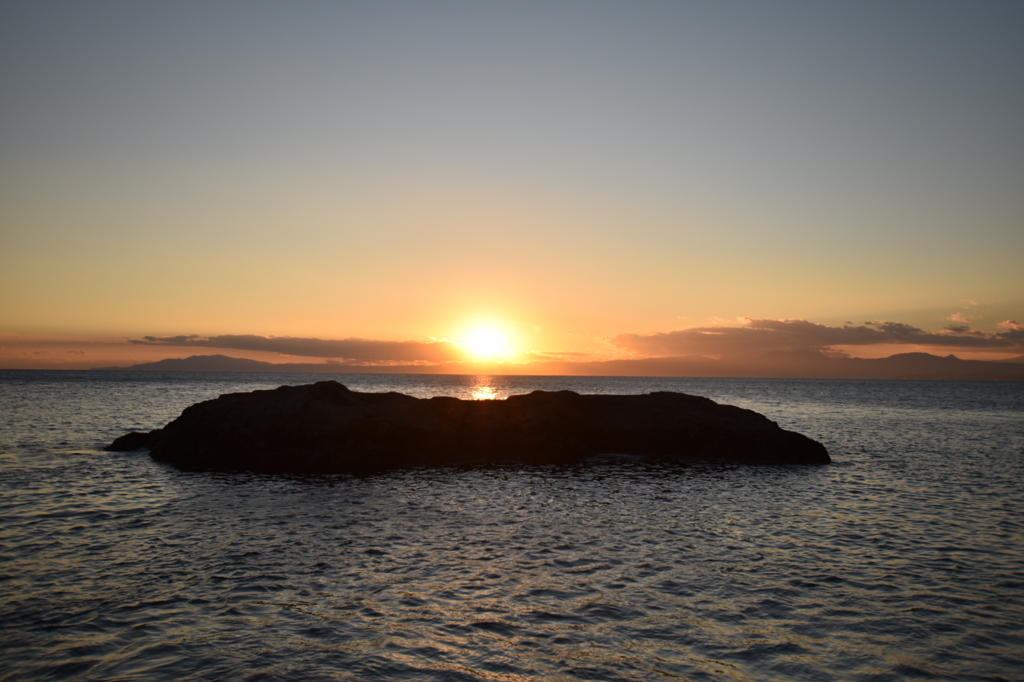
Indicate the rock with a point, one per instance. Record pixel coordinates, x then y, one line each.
326 428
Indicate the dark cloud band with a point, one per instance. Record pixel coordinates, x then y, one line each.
756 337
354 350
761 336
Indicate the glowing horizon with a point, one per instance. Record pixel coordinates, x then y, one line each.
489 345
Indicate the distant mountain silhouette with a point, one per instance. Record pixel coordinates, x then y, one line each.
209 363
777 364
901 366
803 364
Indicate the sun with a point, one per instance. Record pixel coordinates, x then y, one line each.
487 343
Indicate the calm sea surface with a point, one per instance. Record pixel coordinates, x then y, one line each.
903 560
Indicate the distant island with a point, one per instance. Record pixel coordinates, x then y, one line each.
783 365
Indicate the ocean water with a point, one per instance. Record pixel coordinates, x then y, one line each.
902 560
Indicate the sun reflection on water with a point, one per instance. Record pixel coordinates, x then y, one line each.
484 393
484 389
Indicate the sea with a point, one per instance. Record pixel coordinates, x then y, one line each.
901 560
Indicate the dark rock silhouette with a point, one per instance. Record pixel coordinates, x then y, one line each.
326 428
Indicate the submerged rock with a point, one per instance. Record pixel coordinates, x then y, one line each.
326 428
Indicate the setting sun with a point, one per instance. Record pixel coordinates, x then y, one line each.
487 343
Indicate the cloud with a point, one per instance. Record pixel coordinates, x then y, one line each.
351 350
756 337
544 356
1012 330
958 317
753 337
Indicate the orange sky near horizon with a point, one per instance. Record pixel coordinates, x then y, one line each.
90 352
593 181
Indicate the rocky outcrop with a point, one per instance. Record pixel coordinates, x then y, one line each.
326 428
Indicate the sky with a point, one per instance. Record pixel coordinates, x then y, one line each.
452 182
